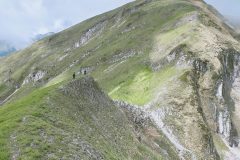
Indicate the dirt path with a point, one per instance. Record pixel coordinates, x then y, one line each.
5 100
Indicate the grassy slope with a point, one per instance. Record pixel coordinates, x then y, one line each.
134 32
130 79
35 123
68 120
143 86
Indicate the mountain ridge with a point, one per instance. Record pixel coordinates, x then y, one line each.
6 48
41 36
173 62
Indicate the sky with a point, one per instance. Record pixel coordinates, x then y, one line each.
21 20
228 8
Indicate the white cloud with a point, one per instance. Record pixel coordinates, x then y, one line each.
33 8
41 30
59 25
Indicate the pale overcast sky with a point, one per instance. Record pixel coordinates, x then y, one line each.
229 8
21 20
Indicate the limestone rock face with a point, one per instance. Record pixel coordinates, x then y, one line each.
89 34
34 77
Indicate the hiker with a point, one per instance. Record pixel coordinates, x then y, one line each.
85 72
74 75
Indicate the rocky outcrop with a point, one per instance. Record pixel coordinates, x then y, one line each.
179 56
122 56
137 115
34 77
62 57
89 34
217 94
144 121
230 63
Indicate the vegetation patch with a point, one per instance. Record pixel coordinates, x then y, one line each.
144 86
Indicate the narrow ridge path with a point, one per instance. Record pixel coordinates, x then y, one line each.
6 99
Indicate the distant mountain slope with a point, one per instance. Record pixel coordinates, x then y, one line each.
173 63
235 22
41 36
5 48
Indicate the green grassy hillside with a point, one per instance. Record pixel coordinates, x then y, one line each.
163 61
122 39
71 121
